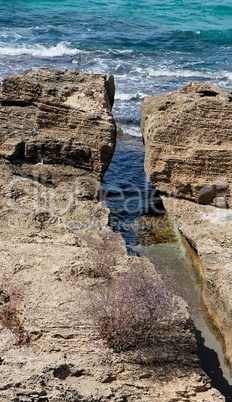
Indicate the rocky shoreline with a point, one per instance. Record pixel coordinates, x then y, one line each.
188 159
57 139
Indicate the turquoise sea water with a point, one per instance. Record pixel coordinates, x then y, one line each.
150 46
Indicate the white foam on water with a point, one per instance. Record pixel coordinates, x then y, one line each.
165 72
178 73
9 35
122 96
120 51
134 131
59 50
126 97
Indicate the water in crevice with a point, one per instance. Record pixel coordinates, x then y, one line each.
169 253
126 190
131 201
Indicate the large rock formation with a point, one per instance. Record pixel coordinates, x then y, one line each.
57 137
58 118
188 141
209 231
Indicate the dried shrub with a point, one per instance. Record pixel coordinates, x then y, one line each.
130 309
100 261
10 302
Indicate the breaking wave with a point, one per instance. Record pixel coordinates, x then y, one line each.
38 50
184 73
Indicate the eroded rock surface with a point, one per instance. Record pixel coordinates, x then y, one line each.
54 237
58 118
209 231
188 142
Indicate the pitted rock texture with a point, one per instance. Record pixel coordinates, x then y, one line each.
58 117
188 140
209 231
53 233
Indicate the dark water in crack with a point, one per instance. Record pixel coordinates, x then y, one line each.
131 199
150 47
126 190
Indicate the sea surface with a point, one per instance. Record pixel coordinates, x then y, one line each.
150 46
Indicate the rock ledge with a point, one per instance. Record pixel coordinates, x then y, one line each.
57 138
188 141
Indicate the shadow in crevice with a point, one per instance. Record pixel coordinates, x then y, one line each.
210 364
128 195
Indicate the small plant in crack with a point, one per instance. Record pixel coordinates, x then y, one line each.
101 260
130 309
10 302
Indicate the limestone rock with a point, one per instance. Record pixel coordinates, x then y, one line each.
188 141
57 137
58 118
209 230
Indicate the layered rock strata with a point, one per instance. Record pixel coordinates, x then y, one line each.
188 141
57 138
58 118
